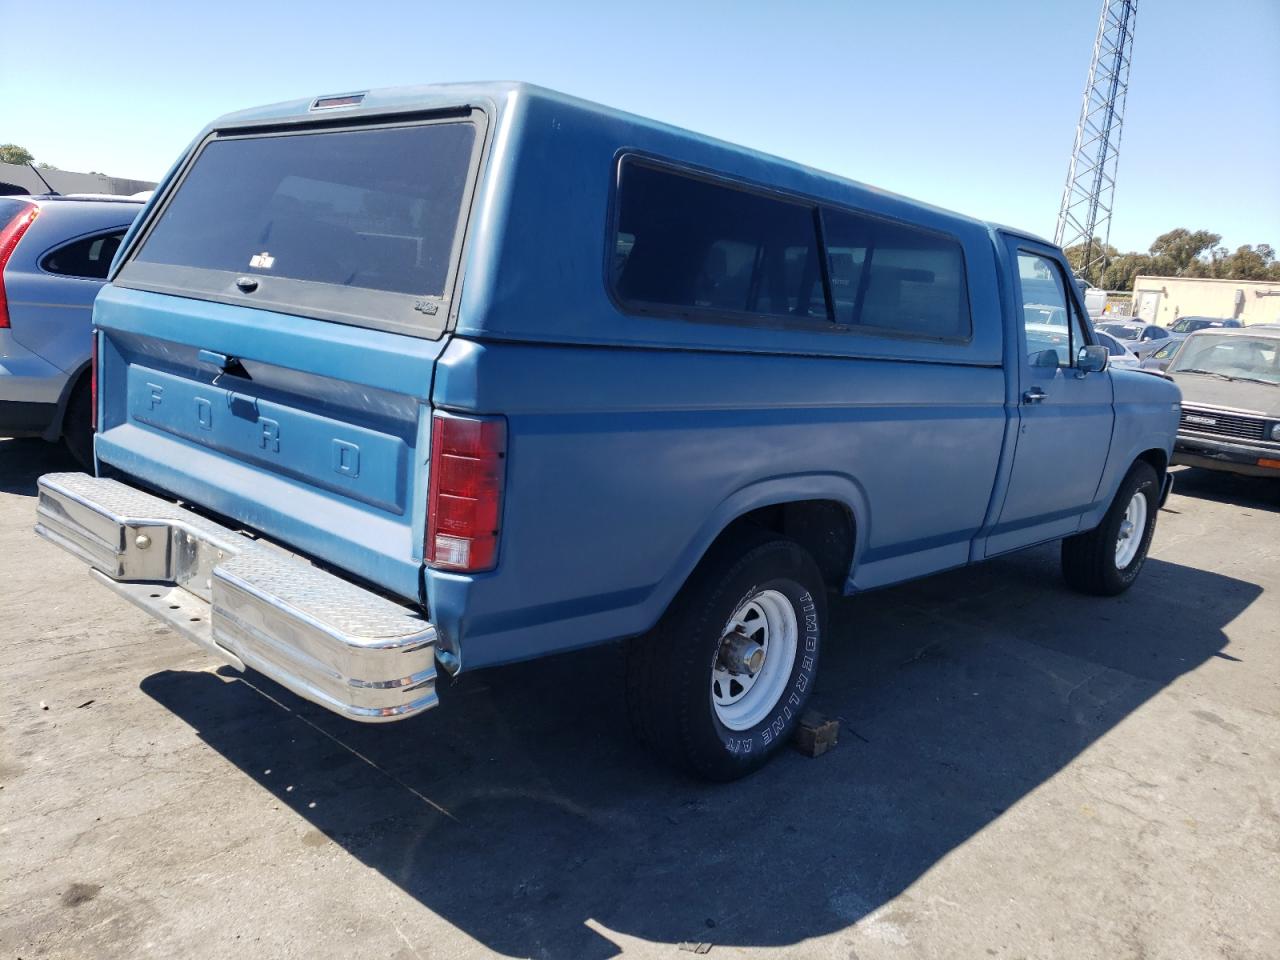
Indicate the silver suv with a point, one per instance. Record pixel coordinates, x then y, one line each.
54 255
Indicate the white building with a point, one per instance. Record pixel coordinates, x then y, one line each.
1164 299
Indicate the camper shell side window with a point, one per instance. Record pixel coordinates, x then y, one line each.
689 244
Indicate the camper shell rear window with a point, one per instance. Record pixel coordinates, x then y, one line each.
356 224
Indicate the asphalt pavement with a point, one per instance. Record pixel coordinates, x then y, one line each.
1022 773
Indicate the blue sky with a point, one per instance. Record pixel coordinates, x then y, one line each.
969 105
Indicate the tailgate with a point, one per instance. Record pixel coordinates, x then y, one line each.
316 436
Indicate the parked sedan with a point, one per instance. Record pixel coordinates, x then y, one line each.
1230 381
1121 355
1139 336
1162 356
1186 325
54 255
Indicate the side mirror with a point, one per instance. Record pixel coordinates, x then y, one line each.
1092 358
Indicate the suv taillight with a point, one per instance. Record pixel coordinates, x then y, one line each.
464 499
10 234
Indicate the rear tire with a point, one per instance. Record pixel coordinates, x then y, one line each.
692 694
77 424
1106 561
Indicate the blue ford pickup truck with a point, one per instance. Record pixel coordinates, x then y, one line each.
438 378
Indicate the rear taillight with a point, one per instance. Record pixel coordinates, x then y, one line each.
464 500
10 234
93 383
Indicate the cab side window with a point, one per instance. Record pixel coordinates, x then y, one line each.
1052 324
88 258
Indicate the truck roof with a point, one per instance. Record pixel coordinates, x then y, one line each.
511 96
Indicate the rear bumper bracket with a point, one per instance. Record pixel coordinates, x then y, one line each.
326 639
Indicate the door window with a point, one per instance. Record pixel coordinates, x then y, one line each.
1053 331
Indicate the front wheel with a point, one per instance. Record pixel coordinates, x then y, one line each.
719 685
1106 561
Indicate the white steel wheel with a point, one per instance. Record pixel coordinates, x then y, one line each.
1132 527
754 662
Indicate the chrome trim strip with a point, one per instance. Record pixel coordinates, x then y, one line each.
1231 411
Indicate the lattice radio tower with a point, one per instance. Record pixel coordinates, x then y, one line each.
1085 215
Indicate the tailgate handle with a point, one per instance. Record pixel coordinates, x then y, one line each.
227 366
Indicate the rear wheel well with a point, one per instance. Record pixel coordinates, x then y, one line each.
825 528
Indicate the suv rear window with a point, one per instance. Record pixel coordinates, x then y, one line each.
11 208
372 210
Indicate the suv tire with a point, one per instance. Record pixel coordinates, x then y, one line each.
77 424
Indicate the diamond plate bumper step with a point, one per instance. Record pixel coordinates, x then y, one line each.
326 639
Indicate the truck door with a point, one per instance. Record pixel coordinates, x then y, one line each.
1065 415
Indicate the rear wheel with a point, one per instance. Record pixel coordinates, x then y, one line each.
719 685
1106 560
77 424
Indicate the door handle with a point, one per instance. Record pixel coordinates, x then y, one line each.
227 366
1034 395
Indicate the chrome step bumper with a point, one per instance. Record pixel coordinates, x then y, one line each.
252 604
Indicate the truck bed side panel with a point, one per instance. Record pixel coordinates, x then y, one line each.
623 465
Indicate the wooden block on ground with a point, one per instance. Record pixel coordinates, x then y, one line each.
815 734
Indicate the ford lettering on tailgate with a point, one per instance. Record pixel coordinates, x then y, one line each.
323 451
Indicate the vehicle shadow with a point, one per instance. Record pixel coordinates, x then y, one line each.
1230 488
522 812
22 462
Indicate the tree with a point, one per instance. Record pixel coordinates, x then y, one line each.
1181 253
1076 257
1173 252
1250 263
12 153
1122 269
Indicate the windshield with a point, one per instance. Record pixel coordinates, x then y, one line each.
1192 324
1231 357
1121 331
